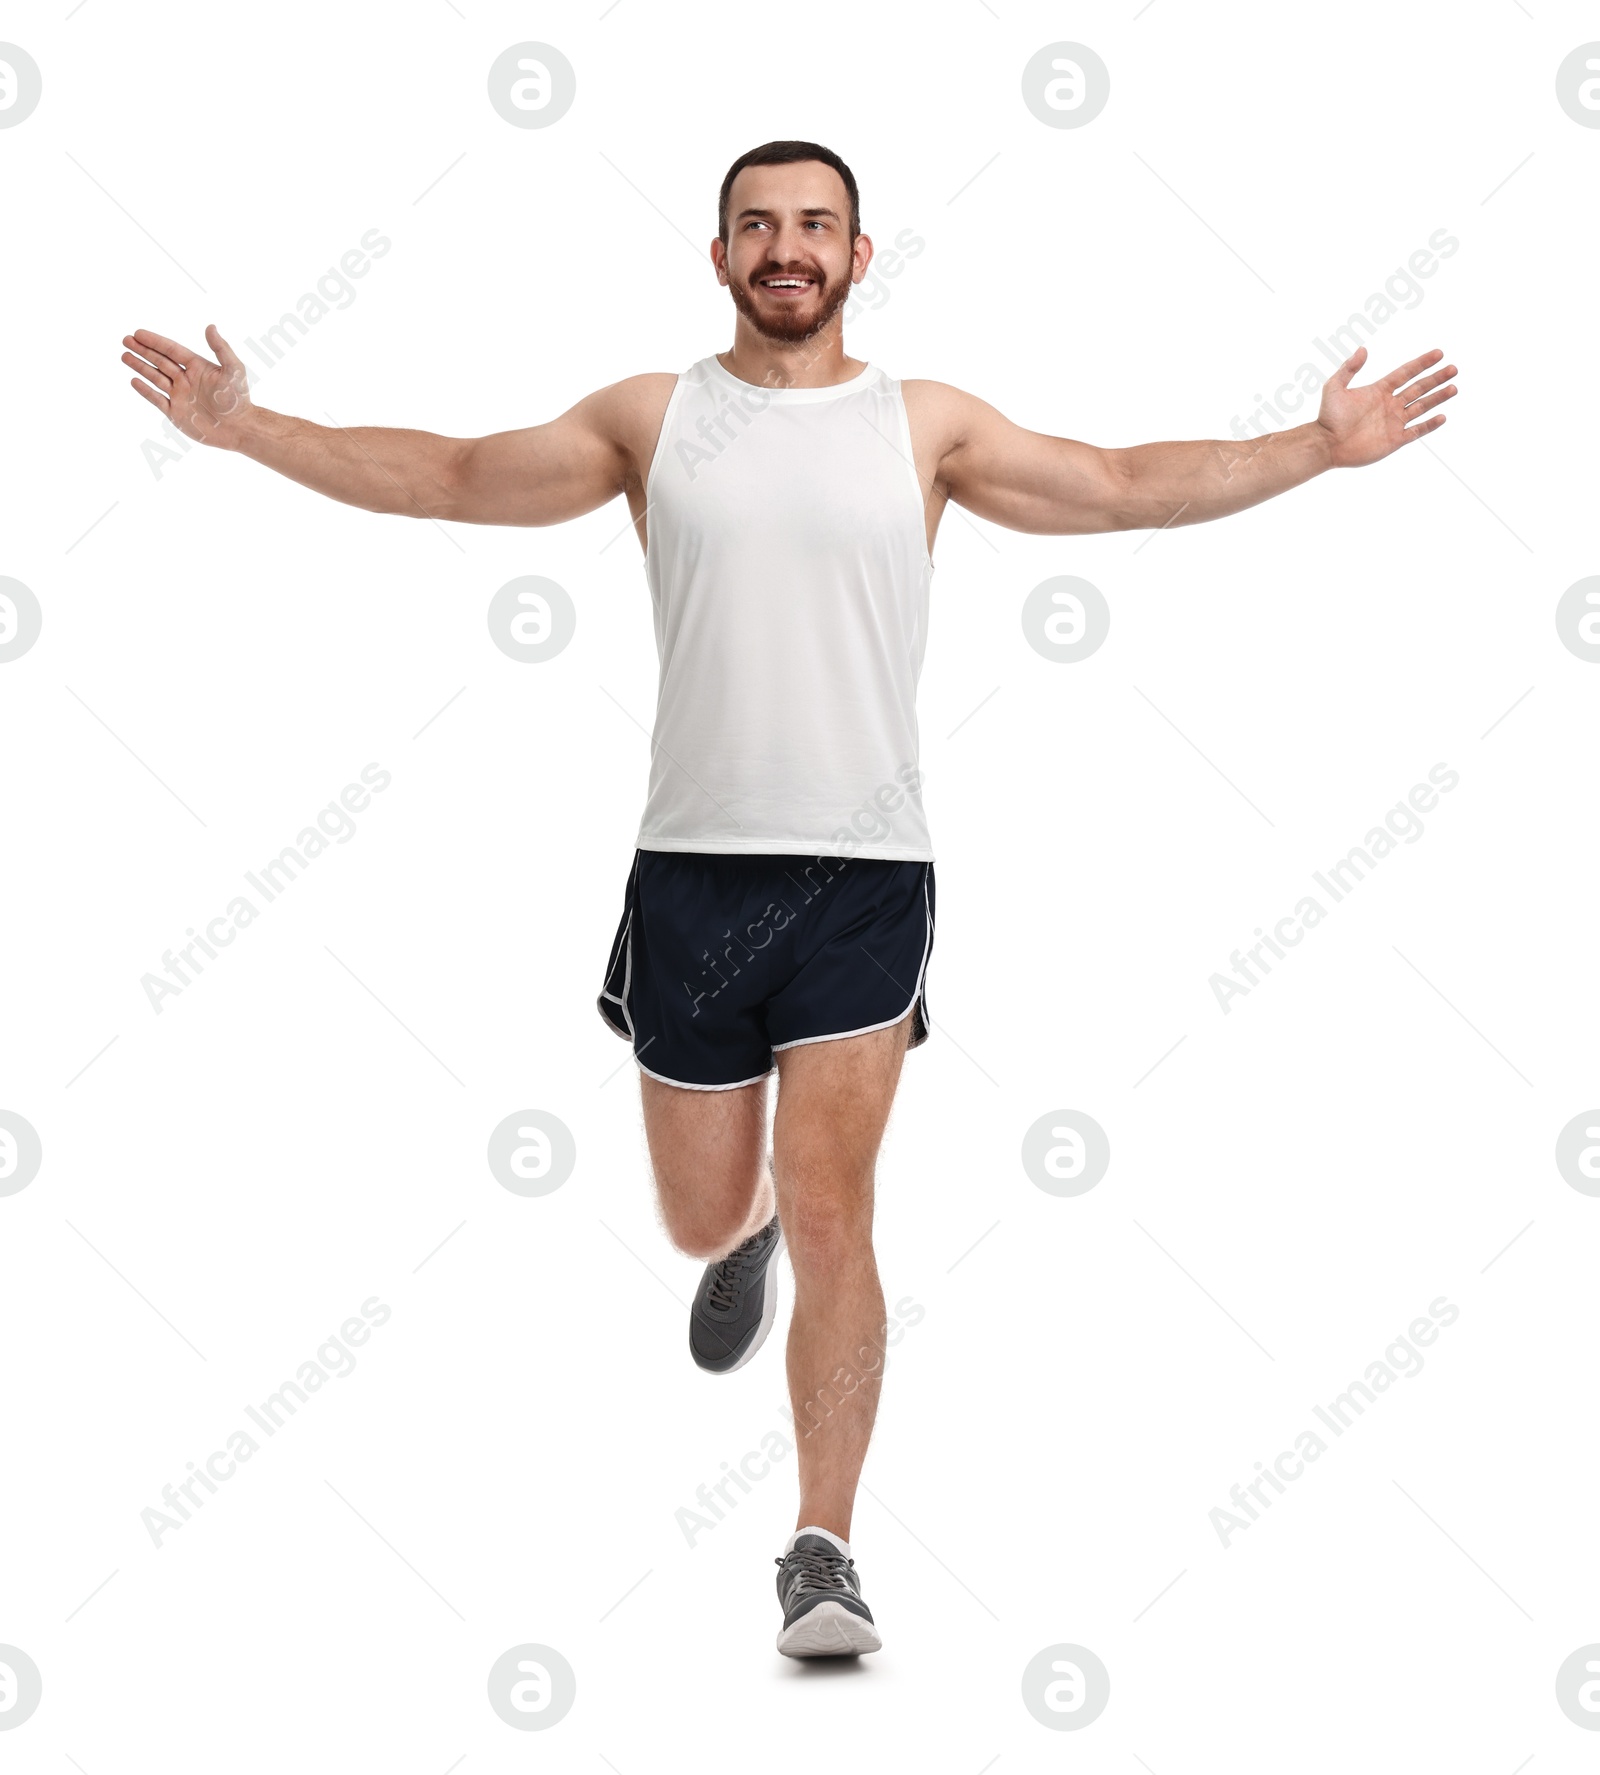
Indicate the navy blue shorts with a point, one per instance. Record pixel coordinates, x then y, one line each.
719 960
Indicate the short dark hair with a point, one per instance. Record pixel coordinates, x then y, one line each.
782 154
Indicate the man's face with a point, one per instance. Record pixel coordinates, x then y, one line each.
789 261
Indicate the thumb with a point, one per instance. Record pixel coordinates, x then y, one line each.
224 351
1341 378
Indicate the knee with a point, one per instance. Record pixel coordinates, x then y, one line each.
704 1238
697 1231
826 1232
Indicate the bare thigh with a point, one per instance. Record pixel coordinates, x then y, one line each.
708 1148
834 1100
708 1152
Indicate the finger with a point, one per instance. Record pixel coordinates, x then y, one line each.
1413 432
1397 378
170 365
225 352
1419 407
148 371
180 354
1427 385
1341 377
159 401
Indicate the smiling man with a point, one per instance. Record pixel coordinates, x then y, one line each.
779 911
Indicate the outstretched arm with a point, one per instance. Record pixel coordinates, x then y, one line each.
1054 486
541 475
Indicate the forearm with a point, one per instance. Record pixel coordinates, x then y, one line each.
378 468
1187 483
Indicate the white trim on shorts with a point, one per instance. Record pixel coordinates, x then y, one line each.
867 1029
632 1036
627 978
736 1085
805 1041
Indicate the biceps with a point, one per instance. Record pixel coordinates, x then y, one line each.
1028 481
541 475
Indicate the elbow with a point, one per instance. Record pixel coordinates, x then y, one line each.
1120 491
443 493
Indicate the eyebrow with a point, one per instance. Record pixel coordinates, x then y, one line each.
810 212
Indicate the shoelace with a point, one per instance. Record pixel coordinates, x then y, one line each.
817 1570
727 1277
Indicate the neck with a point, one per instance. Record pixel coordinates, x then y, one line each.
817 362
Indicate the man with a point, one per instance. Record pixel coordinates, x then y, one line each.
779 910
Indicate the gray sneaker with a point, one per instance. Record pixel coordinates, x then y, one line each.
823 1614
735 1303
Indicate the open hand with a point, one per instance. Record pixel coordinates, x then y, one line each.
1366 424
205 400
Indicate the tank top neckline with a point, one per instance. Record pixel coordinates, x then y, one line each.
869 376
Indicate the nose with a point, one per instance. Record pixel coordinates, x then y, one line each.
789 249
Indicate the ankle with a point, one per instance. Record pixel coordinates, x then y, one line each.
829 1524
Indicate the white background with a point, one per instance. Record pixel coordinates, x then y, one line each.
1370 1129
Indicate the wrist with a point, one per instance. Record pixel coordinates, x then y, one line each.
1321 442
244 431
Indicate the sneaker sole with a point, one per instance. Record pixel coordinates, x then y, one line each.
828 1631
769 1309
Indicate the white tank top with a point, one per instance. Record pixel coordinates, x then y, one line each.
788 564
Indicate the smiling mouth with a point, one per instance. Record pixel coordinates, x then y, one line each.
782 285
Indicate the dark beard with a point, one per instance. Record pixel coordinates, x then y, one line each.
790 329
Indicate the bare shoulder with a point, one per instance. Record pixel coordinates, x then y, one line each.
942 415
634 401
629 414
635 395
